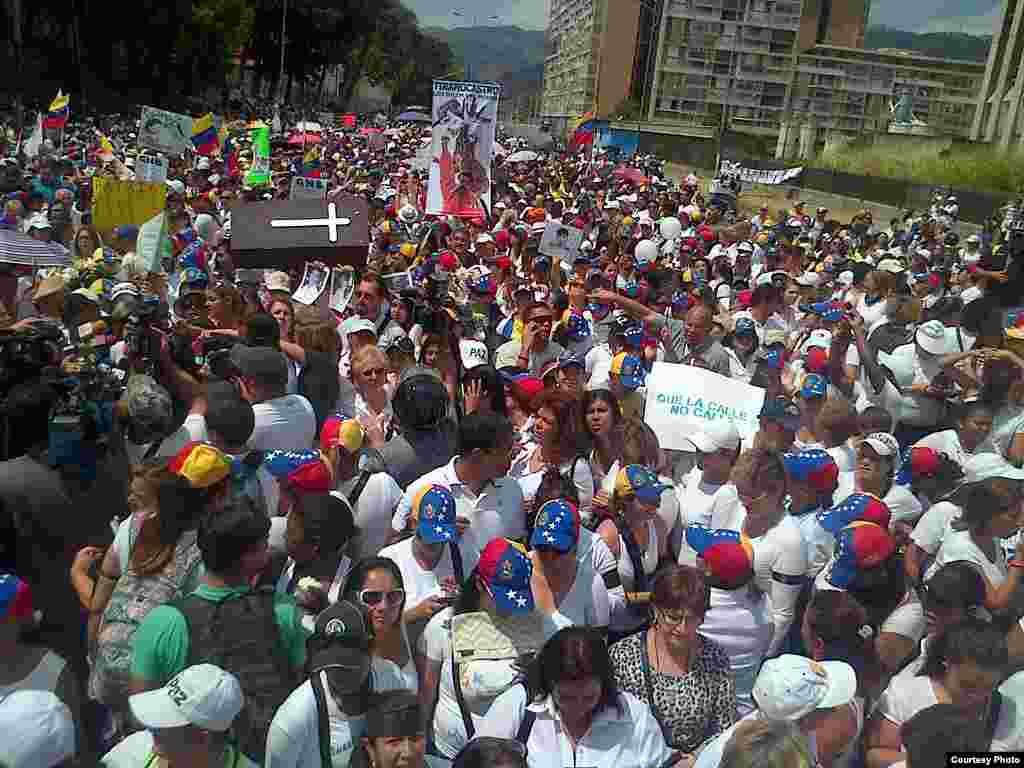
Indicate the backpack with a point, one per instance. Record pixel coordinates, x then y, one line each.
133 598
233 635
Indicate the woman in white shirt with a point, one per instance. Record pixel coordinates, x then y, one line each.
602 419
964 667
570 712
370 369
555 425
973 426
877 287
376 584
565 590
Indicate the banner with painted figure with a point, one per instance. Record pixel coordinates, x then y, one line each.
167 132
464 116
759 175
683 399
259 171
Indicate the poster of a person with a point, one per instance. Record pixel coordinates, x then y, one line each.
462 137
314 281
560 241
343 285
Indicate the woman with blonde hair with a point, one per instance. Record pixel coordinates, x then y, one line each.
227 310
767 744
373 409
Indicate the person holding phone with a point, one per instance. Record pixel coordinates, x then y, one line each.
536 349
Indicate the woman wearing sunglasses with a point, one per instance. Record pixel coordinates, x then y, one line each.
376 583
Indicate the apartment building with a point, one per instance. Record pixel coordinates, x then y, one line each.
590 56
998 117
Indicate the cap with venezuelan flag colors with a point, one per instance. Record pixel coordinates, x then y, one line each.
557 526
637 480
15 599
728 555
306 470
434 507
856 506
201 464
860 546
506 570
340 432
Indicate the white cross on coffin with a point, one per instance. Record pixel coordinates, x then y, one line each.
332 222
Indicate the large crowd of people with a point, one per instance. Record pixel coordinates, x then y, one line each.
430 525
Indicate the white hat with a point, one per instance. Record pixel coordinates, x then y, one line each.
123 289
203 164
973 239
718 435
933 338
484 237
819 337
358 325
278 281
177 186
214 179
473 353
846 277
612 204
809 279
44 728
500 204
39 221
205 696
891 265
883 444
746 245
408 214
789 686
982 466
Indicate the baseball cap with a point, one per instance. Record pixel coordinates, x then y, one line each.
814 466
557 526
860 546
567 359
307 470
728 555
278 281
629 369
814 387
340 432
819 337
44 727
933 338
918 461
856 506
434 507
982 466
744 327
177 186
782 410
826 310
265 364
633 334
576 325
790 686
506 569
882 443
637 480
201 464
341 641
15 599
38 221
202 695
718 435
358 325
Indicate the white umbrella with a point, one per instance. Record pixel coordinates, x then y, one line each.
522 156
307 125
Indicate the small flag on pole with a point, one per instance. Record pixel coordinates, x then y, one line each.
57 115
106 150
311 163
204 135
583 133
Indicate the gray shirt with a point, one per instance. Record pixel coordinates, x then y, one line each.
711 354
507 356
408 457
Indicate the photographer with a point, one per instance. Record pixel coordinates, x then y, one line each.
283 422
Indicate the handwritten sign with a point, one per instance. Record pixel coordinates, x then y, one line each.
117 202
309 189
560 241
168 132
151 169
683 399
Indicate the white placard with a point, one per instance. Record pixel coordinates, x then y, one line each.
343 285
560 241
152 169
683 399
314 281
758 175
167 132
309 189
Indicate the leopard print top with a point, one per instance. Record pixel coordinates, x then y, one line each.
693 708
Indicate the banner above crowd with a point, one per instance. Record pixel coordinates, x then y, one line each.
464 117
759 175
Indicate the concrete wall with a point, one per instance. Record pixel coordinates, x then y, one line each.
617 53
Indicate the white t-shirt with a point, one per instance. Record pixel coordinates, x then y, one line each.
958 545
948 442
529 481
903 504
482 681
293 739
374 510
845 456
933 526
283 424
137 751
871 313
626 736
696 498
193 429
1006 423
585 604
598 363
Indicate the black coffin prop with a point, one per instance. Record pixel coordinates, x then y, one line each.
257 242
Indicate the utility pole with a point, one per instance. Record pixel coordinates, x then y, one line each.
284 29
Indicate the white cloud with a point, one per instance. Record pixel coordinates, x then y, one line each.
528 14
983 24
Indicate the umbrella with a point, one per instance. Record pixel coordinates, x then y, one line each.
414 117
522 156
307 125
416 108
16 248
369 131
393 132
304 138
632 175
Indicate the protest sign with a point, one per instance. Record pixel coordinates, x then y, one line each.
259 172
149 242
683 399
151 169
561 242
758 175
461 148
309 189
116 202
167 132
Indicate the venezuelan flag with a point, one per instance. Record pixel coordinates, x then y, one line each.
204 135
311 164
57 114
230 154
106 150
583 133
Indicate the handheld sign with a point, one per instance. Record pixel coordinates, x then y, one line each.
151 169
309 189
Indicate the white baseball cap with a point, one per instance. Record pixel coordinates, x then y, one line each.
933 338
205 696
790 686
357 324
718 435
44 728
982 466
819 337
883 444
809 280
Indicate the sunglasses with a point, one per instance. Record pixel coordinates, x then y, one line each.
376 596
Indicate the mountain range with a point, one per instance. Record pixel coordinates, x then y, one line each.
515 57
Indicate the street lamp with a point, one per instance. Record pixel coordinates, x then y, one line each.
476 22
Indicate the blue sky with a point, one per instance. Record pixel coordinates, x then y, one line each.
973 16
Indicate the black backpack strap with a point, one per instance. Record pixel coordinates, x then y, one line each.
357 489
993 717
323 720
457 568
467 718
529 718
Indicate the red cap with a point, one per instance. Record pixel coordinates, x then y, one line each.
530 387
503 263
448 261
816 360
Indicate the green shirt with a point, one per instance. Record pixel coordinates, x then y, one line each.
162 641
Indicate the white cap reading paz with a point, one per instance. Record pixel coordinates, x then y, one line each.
203 695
